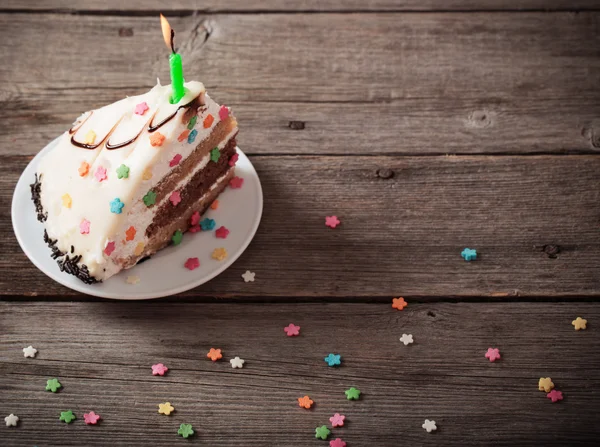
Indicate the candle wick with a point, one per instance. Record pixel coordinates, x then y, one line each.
172 40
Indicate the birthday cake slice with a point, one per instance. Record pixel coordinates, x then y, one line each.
129 178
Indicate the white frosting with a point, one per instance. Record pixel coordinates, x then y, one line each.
90 199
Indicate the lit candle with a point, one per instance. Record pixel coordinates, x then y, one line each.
174 61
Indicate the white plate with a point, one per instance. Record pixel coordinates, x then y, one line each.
164 274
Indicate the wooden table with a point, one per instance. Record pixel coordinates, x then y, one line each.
427 126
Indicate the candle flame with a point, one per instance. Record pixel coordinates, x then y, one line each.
168 33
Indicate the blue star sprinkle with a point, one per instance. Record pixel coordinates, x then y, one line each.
469 254
333 359
192 136
116 206
208 224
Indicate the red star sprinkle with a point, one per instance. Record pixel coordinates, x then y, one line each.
110 247
236 182
175 161
292 330
159 369
492 354
175 198
332 221
141 108
233 160
100 173
223 113
337 420
214 354
192 263
91 418
399 303
555 395
195 229
221 232
195 219
337 443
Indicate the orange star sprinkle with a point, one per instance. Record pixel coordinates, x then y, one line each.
130 233
208 121
399 303
157 139
183 135
84 169
214 354
305 402
214 205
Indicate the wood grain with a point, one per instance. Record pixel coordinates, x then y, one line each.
435 83
401 235
102 353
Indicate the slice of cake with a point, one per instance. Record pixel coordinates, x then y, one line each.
124 181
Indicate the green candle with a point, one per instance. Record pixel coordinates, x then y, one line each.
174 62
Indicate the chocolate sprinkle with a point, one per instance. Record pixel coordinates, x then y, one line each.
36 196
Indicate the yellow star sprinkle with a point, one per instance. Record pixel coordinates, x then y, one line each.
139 248
147 175
579 323
545 384
219 254
165 408
90 137
66 200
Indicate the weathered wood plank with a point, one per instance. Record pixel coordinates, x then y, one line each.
362 83
102 352
401 235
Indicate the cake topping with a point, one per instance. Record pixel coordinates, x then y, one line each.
130 233
100 173
150 198
192 122
233 160
116 206
183 135
223 113
208 121
66 200
122 172
192 136
141 108
177 237
215 154
84 168
157 139
84 226
110 247
175 160
90 137
175 198
139 248
147 175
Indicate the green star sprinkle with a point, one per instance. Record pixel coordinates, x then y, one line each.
67 416
123 171
352 394
150 198
177 237
322 432
215 154
192 122
185 430
53 385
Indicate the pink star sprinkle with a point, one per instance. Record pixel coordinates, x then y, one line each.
141 108
233 160
221 232
223 112
91 418
159 369
110 247
175 198
100 173
337 443
337 420
236 182
292 330
195 219
195 229
84 227
332 221
555 395
175 161
192 263
492 354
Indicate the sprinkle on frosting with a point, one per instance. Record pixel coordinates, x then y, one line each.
147 175
84 168
183 135
175 160
130 233
100 173
66 200
192 136
141 108
223 113
110 247
177 237
219 254
116 206
84 226
175 198
233 160
208 121
150 198
139 248
157 139
90 137
215 154
207 224
192 122
122 172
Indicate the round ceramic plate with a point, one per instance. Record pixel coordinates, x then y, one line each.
164 274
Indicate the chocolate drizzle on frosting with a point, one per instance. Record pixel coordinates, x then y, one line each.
74 142
193 103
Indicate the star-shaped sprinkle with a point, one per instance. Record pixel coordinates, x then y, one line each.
579 323
183 135
406 339
222 232
84 226
215 155
248 276
110 247
292 330
141 108
84 168
545 384
166 408
555 395
139 249
333 360
130 233
399 303
89 138
150 198
237 362
214 354
192 136
175 198
192 122
223 113
11 420
208 121
214 205
337 420
492 354
469 254
208 224
192 263
195 218
352 393
123 171
116 206
53 385
219 254
185 430
133 280
337 442
236 182
177 237
67 416
159 369
66 200
429 425
322 432
175 160
147 174
157 139
91 418
332 221
305 402
29 351
194 229
100 173
233 159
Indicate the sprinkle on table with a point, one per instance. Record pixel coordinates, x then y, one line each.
67 416
159 369
305 402
84 168
123 171
208 224
100 174
150 198
215 155
332 221
333 359
177 237
469 254
53 385
492 354
406 339
175 160
545 384
429 426
157 139
84 226
175 198
66 200
214 354
91 418
116 206
579 323
192 263
185 430
165 408
236 182
219 254
399 303
292 330
322 432
130 233
194 229
352 393
248 276
208 121
11 420
29 351
141 108
222 232
237 362
337 442
337 420
555 396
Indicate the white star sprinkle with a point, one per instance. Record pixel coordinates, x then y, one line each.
29 351
133 279
429 425
11 420
406 339
236 362
248 276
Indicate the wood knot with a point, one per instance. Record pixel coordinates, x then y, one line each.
385 173
125 32
551 250
480 119
592 133
296 125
